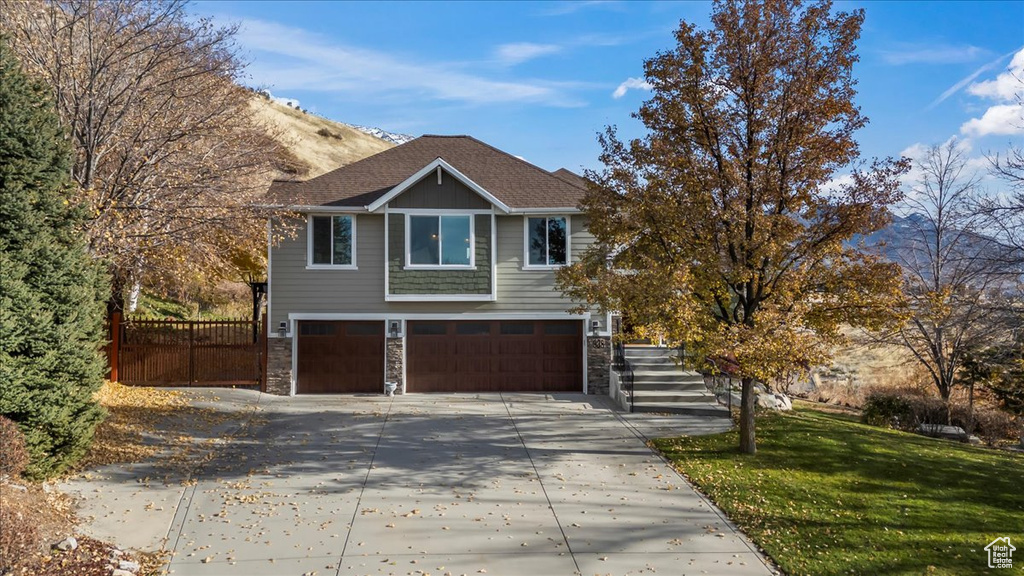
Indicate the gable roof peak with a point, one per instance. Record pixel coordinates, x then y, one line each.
512 181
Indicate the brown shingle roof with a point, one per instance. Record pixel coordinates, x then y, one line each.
515 182
570 177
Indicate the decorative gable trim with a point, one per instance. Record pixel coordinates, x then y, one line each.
439 163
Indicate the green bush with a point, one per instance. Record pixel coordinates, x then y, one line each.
928 410
889 409
52 293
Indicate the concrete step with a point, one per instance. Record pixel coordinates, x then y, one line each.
650 352
656 368
688 409
667 364
655 379
669 386
676 374
671 397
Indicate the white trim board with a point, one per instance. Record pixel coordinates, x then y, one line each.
306 208
439 297
295 316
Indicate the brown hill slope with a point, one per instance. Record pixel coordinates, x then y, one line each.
315 145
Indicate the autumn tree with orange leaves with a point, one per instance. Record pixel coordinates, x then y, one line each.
169 158
726 227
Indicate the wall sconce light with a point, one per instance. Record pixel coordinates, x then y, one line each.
595 325
282 329
393 329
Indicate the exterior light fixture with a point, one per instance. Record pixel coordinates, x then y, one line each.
393 329
594 326
282 329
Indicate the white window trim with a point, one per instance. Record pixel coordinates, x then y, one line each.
438 214
440 298
526 242
309 244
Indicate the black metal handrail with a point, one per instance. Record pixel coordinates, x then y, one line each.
626 377
625 370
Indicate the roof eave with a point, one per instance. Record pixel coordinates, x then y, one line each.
552 210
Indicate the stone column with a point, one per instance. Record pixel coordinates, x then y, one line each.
279 366
395 358
599 362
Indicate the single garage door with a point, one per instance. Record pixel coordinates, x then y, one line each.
495 356
340 357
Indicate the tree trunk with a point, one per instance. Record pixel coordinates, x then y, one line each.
133 296
747 441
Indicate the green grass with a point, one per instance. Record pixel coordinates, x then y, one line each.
828 495
151 305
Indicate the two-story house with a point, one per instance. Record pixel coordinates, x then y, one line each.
431 265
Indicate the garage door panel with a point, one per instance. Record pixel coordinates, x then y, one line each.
473 365
340 357
495 356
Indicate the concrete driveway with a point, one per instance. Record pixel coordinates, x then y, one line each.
499 484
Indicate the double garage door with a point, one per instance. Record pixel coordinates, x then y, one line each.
444 356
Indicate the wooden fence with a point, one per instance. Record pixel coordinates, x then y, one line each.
187 352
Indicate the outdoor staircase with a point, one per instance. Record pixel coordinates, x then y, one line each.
660 385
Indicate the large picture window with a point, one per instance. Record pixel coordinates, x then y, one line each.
440 241
332 241
547 241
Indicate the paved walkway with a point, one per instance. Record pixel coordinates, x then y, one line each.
431 484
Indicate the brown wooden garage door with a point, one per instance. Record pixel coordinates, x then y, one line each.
494 356
340 357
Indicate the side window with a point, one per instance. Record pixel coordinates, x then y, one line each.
547 241
332 240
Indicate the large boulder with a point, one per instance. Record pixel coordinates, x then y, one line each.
769 401
763 400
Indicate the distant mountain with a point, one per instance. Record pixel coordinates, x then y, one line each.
896 234
394 138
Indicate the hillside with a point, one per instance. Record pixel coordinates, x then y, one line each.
316 145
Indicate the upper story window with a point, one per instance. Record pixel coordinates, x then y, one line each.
440 241
547 241
332 241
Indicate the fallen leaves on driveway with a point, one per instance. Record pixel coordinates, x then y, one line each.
153 424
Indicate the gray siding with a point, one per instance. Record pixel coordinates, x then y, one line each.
401 281
451 193
293 288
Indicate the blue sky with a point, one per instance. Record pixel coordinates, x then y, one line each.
540 79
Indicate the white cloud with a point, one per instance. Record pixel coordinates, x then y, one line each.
932 54
1002 119
296 59
1006 116
634 83
1007 86
519 52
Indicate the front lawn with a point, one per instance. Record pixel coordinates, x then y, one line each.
828 495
